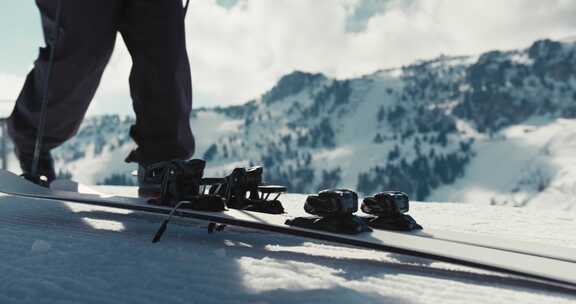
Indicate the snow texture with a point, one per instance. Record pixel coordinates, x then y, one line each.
71 253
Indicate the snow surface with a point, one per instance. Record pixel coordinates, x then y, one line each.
71 253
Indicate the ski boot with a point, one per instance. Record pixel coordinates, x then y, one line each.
45 172
182 187
389 210
178 185
243 189
334 212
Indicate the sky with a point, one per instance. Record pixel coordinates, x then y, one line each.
239 49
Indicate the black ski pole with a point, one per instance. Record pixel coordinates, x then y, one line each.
46 90
186 8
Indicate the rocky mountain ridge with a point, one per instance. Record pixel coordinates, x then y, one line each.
416 128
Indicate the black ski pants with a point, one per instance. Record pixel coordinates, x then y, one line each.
160 81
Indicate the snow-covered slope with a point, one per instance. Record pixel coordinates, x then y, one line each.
70 253
490 129
527 164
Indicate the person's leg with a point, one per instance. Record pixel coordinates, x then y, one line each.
87 34
160 80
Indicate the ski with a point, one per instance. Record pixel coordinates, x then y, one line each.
523 247
553 272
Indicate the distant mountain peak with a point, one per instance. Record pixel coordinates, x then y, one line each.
292 84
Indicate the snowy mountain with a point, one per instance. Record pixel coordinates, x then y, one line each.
496 129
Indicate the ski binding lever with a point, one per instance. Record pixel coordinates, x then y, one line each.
244 190
334 212
389 209
184 188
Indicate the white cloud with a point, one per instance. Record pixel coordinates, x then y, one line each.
238 52
113 95
9 90
10 86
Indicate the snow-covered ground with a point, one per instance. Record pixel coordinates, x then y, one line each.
70 253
